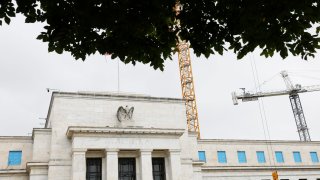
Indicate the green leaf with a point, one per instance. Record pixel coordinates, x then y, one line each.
11 13
59 50
318 30
50 47
7 20
40 37
284 53
142 31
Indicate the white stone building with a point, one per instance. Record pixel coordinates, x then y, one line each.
85 139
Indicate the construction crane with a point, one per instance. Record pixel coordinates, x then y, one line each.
293 92
186 78
187 87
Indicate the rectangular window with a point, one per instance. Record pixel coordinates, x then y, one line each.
127 169
242 157
94 169
297 157
260 157
202 156
14 158
314 157
279 157
222 157
158 169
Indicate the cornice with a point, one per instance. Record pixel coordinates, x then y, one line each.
243 168
41 165
10 139
73 130
255 142
109 95
12 171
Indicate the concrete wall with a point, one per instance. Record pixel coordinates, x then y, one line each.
41 145
17 172
68 110
7 144
14 176
252 170
251 146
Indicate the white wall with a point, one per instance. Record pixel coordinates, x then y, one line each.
41 145
252 170
7 144
251 146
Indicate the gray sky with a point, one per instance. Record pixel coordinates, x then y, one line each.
27 69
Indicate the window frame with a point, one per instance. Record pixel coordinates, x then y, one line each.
316 160
261 157
162 172
201 155
282 157
297 156
12 158
127 161
222 157
97 174
242 157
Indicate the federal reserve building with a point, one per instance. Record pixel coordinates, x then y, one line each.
110 136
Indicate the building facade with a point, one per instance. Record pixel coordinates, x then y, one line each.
101 136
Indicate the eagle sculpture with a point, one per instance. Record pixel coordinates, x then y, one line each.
124 114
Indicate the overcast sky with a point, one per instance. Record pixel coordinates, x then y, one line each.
27 69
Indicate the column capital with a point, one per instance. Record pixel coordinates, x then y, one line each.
146 150
111 150
174 151
79 150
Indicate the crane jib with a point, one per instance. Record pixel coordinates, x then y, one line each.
249 99
293 92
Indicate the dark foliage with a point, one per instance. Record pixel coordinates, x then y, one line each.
145 31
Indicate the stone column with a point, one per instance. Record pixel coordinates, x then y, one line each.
112 164
175 164
146 164
79 164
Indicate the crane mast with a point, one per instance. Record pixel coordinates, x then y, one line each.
186 78
301 123
298 114
187 86
293 92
